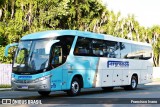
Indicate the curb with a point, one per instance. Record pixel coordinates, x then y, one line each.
9 89
5 89
155 79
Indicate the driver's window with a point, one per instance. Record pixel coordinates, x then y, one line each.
56 55
60 50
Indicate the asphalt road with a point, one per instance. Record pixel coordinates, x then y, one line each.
93 97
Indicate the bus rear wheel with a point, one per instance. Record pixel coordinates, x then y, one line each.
107 88
75 87
44 93
133 84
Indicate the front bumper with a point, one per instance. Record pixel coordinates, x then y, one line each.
32 85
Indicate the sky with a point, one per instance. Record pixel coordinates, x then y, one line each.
147 12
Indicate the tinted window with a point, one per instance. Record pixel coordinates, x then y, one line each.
125 50
60 50
66 42
83 47
112 49
98 47
140 52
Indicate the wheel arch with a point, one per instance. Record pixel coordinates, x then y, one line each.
80 77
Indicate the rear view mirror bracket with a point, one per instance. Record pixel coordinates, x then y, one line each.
7 48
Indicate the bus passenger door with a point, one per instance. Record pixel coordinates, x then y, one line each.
56 65
56 80
66 70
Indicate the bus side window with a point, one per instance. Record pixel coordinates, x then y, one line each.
125 50
112 49
98 47
66 43
82 47
105 52
56 54
76 51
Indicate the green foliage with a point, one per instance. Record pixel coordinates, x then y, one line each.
3 59
21 17
5 86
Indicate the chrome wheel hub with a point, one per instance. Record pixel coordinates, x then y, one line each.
75 87
134 83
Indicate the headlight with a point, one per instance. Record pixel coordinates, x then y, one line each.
41 79
13 79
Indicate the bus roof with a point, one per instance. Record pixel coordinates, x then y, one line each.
54 33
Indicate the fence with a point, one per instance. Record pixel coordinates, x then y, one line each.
5 73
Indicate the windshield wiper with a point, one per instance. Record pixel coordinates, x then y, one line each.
43 64
24 58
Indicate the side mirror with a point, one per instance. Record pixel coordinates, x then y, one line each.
7 48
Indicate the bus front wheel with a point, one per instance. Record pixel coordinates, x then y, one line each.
75 87
133 84
44 93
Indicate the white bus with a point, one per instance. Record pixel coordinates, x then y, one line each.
69 60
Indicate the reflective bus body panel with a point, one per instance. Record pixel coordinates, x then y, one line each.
95 71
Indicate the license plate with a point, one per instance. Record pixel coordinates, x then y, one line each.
24 87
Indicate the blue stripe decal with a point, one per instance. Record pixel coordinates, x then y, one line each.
30 77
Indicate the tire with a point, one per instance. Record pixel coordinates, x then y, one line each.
75 87
133 84
108 89
44 93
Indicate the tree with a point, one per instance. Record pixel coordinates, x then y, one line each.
21 17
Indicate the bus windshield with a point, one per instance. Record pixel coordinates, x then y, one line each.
32 55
